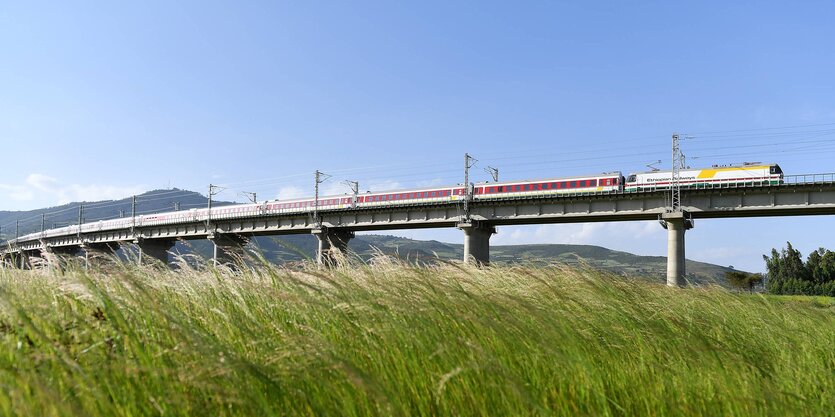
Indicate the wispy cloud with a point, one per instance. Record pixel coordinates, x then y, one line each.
290 192
52 191
578 233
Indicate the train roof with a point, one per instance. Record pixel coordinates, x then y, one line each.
446 187
758 164
605 174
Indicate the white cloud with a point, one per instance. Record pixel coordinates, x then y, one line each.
290 192
577 233
334 188
384 185
77 192
431 183
42 182
49 191
17 192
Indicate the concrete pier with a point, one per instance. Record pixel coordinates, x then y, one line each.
331 242
228 249
94 252
23 260
477 242
154 250
676 224
56 257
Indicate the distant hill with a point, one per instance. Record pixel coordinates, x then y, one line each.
291 248
67 214
299 247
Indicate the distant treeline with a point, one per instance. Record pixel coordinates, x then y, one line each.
788 274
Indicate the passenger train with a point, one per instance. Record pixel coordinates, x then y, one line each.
745 175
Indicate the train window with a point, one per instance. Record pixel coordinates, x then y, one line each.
593 183
775 169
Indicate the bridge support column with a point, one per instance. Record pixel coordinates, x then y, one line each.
154 249
57 256
228 249
676 224
477 242
96 251
331 242
23 260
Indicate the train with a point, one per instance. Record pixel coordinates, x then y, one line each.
742 175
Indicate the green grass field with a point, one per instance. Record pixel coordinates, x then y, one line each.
396 340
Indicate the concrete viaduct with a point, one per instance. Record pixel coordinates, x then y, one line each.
336 227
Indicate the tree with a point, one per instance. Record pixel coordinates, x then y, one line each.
788 274
743 280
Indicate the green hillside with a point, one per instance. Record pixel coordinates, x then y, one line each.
299 247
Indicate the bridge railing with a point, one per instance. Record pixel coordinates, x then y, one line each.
827 178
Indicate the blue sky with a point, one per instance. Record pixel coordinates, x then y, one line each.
107 99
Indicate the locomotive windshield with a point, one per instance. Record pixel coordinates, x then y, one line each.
631 178
775 169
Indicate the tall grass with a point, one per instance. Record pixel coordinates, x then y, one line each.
392 339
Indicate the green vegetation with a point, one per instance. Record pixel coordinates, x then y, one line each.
788 274
744 280
390 339
298 247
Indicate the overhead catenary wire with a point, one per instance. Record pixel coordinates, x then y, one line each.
754 143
